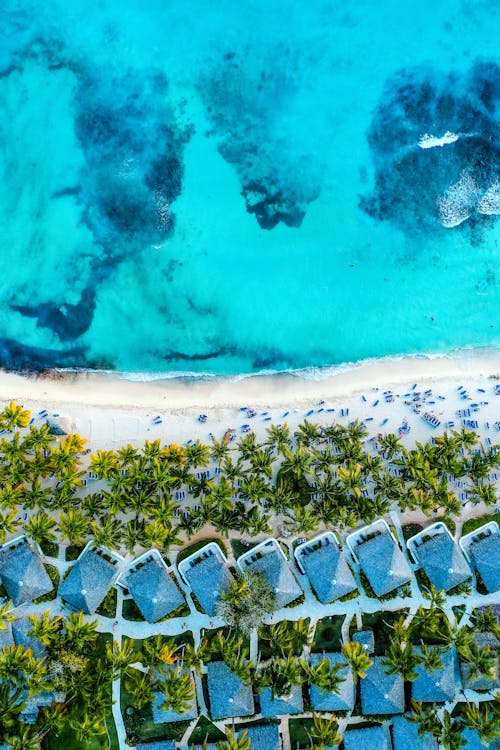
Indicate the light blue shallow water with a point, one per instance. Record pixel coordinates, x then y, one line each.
229 187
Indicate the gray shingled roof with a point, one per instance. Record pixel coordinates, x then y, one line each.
328 572
342 701
440 685
383 563
208 579
29 714
88 582
279 576
264 737
472 741
371 738
443 561
161 716
366 639
405 736
277 707
153 590
162 745
6 637
229 696
23 574
20 630
486 556
382 693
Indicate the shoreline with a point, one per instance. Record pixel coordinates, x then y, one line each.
110 388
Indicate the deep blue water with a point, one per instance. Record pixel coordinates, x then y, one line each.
227 187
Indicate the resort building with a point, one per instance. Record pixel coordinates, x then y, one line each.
161 745
322 561
440 685
440 557
22 572
264 737
472 681
482 549
29 714
382 693
90 579
379 556
229 696
405 736
332 701
366 638
372 738
151 586
273 708
206 574
268 559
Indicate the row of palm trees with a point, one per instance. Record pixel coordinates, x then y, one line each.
314 476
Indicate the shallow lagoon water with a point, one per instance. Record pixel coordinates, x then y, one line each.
223 187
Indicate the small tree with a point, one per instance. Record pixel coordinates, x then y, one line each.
357 657
246 602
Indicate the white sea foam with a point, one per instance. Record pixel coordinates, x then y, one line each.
431 141
489 202
459 201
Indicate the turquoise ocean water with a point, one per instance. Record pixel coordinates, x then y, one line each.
220 186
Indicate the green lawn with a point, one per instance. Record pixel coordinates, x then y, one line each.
298 732
239 548
73 551
264 646
66 739
205 729
130 611
410 529
474 523
328 635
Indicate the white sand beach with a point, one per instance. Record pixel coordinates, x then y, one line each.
111 409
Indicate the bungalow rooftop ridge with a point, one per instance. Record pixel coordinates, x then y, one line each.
90 579
380 557
268 559
324 564
151 586
272 708
482 548
206 574
368 738
22 572
440 685
345 698
405 736
382 693
441 558
230 697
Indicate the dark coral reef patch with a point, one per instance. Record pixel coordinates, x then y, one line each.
426 185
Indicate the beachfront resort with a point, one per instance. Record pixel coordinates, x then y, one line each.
303 584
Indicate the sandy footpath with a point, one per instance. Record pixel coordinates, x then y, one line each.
112 410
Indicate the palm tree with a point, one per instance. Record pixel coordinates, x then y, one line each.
307 434
40 527
5 614
235 742
301 520
194 658
78 632
134 534
282 674
11 495
481 661
39 438
105 464
246 602
357 658
159 650
107 533
8 524
11 704
450 737
54 718
325 676
435 598
141 688
481 719
296 463
324 732
88 727
278 437
178 690
486 621
73 525
430 658
26 738
14 416
390 444
121 657
400 659
426 717
45 627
